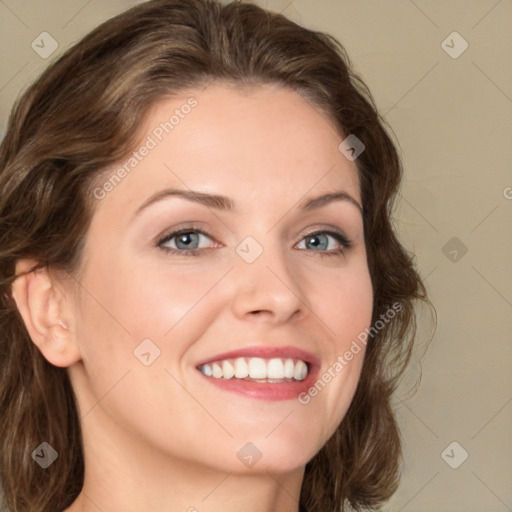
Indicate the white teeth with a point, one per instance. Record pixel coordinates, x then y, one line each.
241 368
257 368
207 370
275 369
288 369
227 370
301 370
217 371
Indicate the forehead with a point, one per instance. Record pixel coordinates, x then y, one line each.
248 143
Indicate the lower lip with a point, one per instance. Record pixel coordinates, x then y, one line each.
265 390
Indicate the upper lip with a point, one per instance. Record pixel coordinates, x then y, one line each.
266 352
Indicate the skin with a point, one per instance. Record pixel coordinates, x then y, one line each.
160 437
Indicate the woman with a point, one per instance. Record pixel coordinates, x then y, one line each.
204 304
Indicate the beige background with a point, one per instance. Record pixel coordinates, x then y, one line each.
453 120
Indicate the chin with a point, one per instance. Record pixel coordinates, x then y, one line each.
277 455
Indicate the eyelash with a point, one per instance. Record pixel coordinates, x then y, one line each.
337 235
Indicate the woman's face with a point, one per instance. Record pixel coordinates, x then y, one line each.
267 277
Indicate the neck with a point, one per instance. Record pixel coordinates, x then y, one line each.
123 474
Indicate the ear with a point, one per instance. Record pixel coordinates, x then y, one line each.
47 312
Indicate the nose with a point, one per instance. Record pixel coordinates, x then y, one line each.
268 289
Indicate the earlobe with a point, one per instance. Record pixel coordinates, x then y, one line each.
46 313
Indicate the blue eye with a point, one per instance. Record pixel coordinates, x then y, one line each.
187 241
321 239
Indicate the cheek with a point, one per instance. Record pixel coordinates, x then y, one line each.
140 300
345 305
172 306
345 309
122 309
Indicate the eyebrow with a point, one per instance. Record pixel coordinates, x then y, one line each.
224 203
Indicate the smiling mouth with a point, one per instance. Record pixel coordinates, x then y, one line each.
256 369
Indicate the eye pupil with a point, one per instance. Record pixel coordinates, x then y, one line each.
317 243
185 238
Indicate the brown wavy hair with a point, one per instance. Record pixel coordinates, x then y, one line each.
81 116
